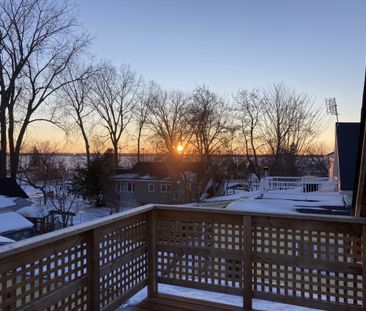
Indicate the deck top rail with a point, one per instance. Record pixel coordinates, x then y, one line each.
315 261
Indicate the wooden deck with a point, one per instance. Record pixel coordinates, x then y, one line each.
311 261
164 302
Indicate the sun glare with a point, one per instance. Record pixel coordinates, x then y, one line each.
179 148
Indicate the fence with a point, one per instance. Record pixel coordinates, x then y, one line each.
305 260
306 184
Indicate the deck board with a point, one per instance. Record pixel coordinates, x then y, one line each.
164 302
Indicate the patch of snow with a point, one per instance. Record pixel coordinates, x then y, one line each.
6 201
12 221
147 177
211 296
5 240
286 201
126 176
35 211
239 194
86 212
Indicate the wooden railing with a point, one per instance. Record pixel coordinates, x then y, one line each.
306 260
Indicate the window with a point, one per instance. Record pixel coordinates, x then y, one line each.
151 187
165 188
130 187
121 187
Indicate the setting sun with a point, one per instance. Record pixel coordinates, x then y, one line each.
179 148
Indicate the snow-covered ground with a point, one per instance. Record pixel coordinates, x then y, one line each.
84 210
210 296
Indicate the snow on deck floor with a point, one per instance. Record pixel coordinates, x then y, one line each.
215 297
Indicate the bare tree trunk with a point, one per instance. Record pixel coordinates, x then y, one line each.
139 144
3 144
115 153
86 142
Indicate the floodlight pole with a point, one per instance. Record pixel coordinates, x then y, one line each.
331 106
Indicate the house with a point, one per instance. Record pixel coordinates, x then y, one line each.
153 182
345 155
14 226
12 196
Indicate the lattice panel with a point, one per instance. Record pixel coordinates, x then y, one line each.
318 261
203 270
212 232
36 274
76 301
122 258
200 249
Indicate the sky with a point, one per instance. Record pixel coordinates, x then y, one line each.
314 46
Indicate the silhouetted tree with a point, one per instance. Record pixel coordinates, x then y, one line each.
115 95
38 41
167 120
210 123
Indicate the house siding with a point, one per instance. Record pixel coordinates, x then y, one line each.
142 195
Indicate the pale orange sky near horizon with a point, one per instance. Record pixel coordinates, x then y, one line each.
46 132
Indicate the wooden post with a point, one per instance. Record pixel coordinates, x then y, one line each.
93 271
152 287
363 249
247 259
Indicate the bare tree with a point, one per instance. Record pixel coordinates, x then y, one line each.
42 168
247 111
290 124
148 97
64 201
38 40
114 97
315 161
74 98
167 119
209 123
278 122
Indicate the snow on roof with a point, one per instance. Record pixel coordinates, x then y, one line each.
286 202
291 201
239 194
5 240
129 176
6 201
126 176
34 211
13 222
